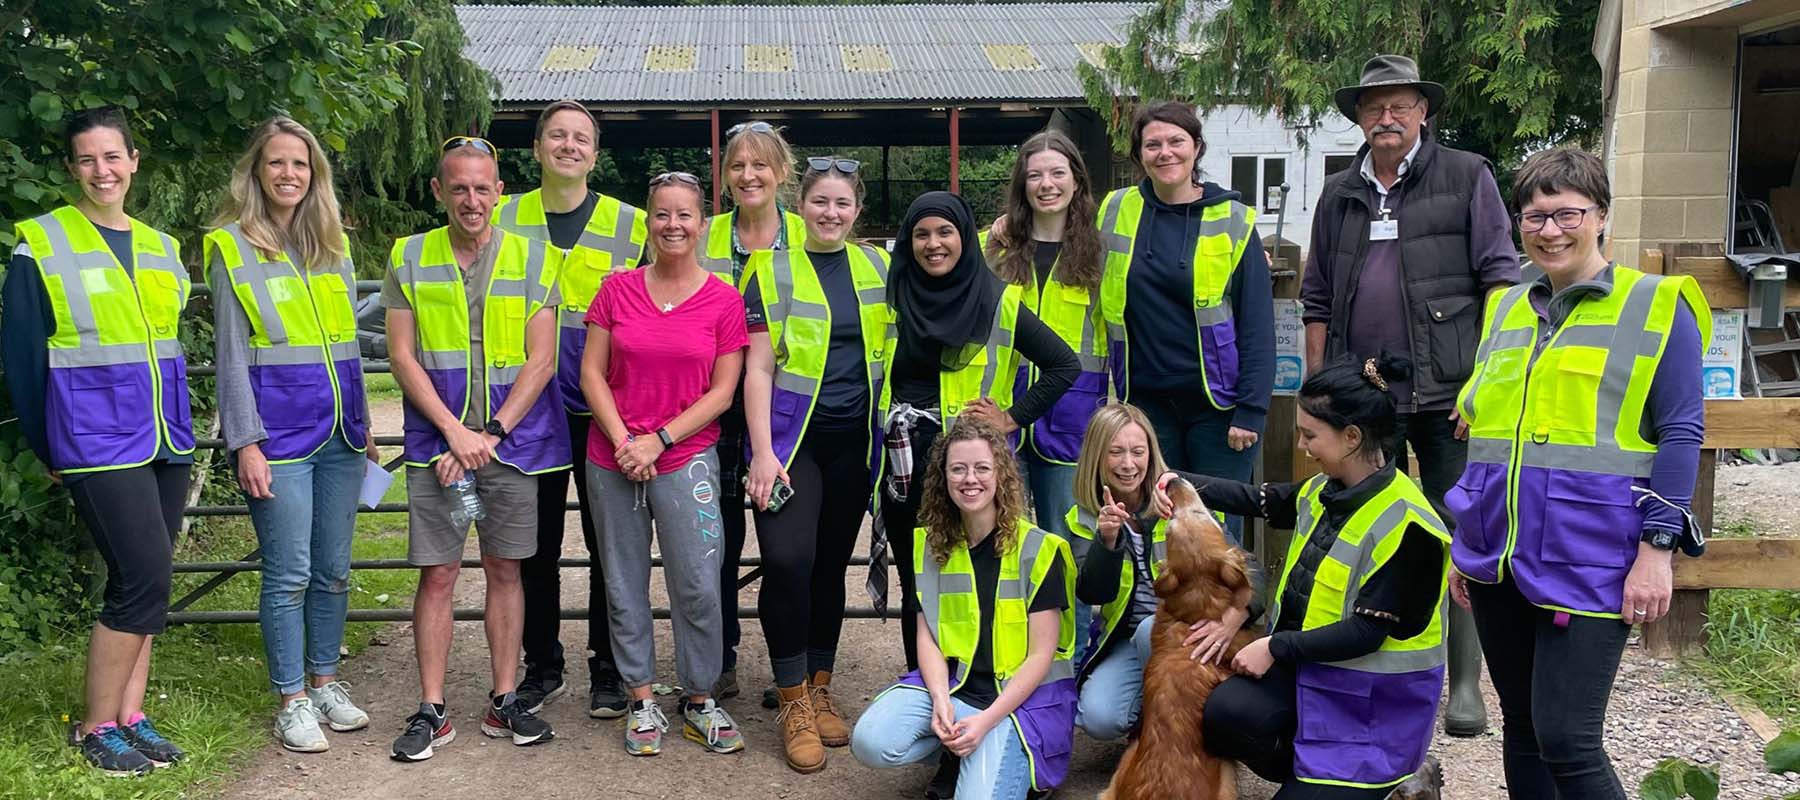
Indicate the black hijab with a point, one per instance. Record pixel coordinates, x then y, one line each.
947 313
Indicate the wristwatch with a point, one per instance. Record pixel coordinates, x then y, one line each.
1659 539
662 434
495 429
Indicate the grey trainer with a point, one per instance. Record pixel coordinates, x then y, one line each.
331 703
297 726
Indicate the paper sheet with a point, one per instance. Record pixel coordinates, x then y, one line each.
375 484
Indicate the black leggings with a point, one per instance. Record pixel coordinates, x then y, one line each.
133 515
1253 720
1554 684
732 467
542 578
899 519
806 550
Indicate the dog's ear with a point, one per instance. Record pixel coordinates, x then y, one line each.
1168 583
1231 571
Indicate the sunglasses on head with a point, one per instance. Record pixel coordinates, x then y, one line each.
675 177
848 166
759 127
476 142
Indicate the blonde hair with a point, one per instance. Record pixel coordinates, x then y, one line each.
772 147
1102 428
938 514
316 232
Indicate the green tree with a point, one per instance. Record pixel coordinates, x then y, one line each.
1518 72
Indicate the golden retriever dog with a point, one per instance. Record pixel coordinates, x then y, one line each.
1202 578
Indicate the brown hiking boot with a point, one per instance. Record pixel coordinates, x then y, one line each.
832 730
799 738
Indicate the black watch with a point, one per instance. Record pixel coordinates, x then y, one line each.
662 434
495 429
1659 539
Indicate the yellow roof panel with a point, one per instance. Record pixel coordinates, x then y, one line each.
569 58
768 58
1012 57
866 58
670 58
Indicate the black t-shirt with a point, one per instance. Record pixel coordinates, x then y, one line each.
980 690
1043 258
844 394
916 370
566 227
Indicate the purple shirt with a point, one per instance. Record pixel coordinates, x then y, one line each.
1379 319
1675 411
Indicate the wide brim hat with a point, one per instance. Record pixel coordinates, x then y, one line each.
1383 71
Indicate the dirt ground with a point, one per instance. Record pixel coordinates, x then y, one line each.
1657 712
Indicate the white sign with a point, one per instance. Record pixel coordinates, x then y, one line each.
1724 356
1290 347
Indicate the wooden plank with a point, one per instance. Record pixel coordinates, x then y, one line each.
1754 422
1651 261
1683 631
1760 563
1721 283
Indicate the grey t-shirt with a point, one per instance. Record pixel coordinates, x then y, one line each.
475 283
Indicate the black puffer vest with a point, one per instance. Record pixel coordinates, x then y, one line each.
1441 290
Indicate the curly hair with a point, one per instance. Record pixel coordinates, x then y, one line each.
938 514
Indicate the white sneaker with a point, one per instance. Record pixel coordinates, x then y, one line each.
331 703
297 726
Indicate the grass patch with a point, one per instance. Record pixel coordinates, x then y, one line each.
381 387
209 688
1753 650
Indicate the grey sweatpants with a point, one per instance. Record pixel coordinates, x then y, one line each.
685 508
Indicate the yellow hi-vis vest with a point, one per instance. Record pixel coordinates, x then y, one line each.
305 361
1226 229
799 318
1073 312
952 610
117 377
989 373
718 257
1082 524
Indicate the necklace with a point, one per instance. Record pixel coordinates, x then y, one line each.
668 307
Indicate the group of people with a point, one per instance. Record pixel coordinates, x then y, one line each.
1005 402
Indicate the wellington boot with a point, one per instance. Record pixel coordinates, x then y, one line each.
833 731
1465 715
799 736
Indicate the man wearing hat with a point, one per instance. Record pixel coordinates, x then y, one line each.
1405 246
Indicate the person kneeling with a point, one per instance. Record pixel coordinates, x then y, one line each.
995 686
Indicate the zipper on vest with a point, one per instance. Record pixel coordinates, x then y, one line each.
337 391
156 384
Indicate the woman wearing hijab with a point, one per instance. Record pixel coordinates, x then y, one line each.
961 334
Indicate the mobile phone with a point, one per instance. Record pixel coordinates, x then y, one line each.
779 494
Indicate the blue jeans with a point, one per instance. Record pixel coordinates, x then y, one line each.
305 532
896 731
1113 692
1052 495
1193 438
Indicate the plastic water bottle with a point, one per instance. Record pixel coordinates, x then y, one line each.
465 504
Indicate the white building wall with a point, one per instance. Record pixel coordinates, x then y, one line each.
1237 132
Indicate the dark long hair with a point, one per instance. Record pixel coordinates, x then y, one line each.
1350 391
1082 260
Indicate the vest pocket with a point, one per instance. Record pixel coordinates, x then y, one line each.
1336 705
1589 520
102 403
288 397
1452 337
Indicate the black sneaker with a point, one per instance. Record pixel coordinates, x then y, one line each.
943 784
108 751
425 731
540 687
513 719
606 700
143 737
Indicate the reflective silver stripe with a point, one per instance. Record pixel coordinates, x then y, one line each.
1395 662
927 586
68 264
1015 590
998 337
1091 363
798 384
284 355
1345 552
803 309
1581 458
444 359
1387 523
254 273
567 318
1212 314
509 287
168 348
412 254
1159 549
881 267
503 376
509 220
954 582
346 351
619 244
98 355
873 295
1087 519
1060 669
1483 450
1109 222
1499 339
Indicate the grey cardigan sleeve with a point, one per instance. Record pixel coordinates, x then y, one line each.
239 419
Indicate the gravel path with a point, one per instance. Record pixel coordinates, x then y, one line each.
1656 713
1760 496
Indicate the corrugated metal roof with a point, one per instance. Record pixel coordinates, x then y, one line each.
639 55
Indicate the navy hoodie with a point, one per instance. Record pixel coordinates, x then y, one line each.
1159 309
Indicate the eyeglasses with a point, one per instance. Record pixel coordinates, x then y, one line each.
675 177
476 142
848 166
759 127
1567 219
1399 110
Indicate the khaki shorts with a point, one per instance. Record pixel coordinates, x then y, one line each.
508 531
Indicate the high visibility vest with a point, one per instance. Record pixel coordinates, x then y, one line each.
1083 523
799 320
1073 313
952 611
613 240
117 385
1366 721
1556 440
1226 229
524 271
990 371
305 362
720 260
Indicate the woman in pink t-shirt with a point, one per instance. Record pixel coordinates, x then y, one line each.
665 349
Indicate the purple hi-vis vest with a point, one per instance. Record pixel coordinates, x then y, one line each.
1225 230
524 271
117 380
305 362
